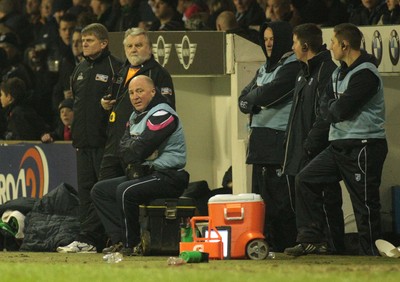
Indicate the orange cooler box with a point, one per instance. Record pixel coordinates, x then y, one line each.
244 213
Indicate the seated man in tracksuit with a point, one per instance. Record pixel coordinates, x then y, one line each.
154 150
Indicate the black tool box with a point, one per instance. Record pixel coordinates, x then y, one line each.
160 223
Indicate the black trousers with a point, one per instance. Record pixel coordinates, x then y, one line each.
360 167
111 167
278 195
333 215
117 201
88 166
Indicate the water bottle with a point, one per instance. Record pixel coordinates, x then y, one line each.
194 256
113 257
175 261
271 255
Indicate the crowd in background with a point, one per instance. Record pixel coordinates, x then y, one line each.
40 39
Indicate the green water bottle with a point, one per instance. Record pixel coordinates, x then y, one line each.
186 232
194 256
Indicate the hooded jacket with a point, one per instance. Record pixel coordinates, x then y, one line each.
269 95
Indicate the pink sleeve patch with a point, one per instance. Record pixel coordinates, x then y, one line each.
155 127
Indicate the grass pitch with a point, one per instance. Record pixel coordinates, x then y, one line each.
18 266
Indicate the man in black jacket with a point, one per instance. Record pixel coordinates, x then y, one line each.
307 133
353 103
89 83
140 61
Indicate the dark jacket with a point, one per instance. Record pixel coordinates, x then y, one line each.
307 134
266 144
90 81
123 107
129 16
24 123
391 17
362 16
53 221
253 16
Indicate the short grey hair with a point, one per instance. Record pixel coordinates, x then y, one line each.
135 31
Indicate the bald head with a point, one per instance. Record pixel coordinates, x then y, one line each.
226 21
141 92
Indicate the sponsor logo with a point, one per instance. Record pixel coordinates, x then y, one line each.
32 180
377 46
101 77
394 47
161 51
186 52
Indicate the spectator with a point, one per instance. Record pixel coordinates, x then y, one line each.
154 149
23 123
13 19
278 10
195 13
268 99
307 133
353 103
103 9
79 7
62 89
11 65
167 16
226 21
391 14
32 11
131 14
140 61
63 130
57 50
90 80
337 13
248 13
216 7
367 13
59 8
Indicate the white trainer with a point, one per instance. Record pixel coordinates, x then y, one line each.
77 247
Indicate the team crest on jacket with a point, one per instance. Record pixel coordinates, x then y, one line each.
101 77
357 176
166 91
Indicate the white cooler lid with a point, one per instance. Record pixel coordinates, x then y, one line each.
223 198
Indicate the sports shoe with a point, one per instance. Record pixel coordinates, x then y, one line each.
77 247
307 248
126 252
113 248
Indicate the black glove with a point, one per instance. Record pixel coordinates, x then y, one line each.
135 171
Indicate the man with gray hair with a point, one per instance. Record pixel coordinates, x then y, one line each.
140 61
